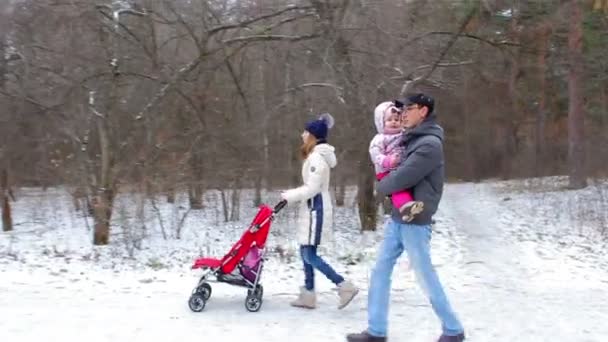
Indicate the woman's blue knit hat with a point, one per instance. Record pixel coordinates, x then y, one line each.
320 127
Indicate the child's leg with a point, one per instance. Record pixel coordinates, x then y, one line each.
401 198
406 204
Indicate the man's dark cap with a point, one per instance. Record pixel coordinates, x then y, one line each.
421 100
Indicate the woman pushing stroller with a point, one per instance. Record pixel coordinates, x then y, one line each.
315 212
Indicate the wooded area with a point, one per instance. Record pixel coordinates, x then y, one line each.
160 96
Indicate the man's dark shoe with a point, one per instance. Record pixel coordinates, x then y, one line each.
365 337
446 338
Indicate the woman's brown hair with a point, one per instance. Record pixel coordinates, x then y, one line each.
307 146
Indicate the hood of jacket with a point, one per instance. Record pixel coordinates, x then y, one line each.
379 115
328 153
426 127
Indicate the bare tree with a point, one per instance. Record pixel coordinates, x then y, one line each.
543 34
6 194
576 110
5 190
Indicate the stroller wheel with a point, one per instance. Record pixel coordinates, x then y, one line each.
197 302
259 291
253 303
204 290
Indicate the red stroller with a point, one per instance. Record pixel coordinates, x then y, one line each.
242 266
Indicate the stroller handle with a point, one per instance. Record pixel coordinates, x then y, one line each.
254 228
279 206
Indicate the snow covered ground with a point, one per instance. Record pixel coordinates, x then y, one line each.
521 261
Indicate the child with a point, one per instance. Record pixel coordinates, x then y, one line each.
385 151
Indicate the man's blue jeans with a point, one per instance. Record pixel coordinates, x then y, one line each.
415 239
311 262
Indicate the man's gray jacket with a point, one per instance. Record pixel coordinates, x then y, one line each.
421 170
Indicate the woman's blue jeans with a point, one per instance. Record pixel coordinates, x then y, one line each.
311 262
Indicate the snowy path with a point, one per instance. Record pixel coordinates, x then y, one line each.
505 282
521 288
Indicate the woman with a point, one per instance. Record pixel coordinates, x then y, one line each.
315 212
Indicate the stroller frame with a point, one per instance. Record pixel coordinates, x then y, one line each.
213 272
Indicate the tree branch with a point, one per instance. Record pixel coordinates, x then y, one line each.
288 20
338 90
126 29
422 67
407 85
239 89
498 44
253 20
452 41
28 100
188 28
257 38
122 10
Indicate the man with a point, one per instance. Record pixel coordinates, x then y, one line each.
422 171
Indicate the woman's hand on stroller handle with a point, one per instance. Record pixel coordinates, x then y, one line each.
280 205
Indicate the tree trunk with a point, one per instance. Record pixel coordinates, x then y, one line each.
387 205
265 170
102 208
79 194
172 179
76 202
104 182
365 196
235 200
3 62
257 200
340 192
576 111
196 188
102 215
171 195
349 78
467 136
510 128
295 166
604 102
224 205
7 220
541 114
195 195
